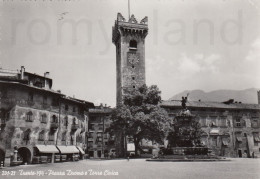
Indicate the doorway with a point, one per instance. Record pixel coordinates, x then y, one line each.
240 153
99 154
24 155
91 153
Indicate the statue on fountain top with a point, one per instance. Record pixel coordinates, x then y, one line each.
185 111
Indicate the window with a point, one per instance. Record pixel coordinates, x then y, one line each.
203 122
3 92
81 111
54 119
41 136
91 126
99 134
106 136
66 107
133 78
43 118
134 87
214 141
91 135
99 139
79 138
222 122
74 121
133 66
44 99
254 123
55 101
74 109
90 144
66 121
51 136
26 135
133 44
29 117
238 123
64 136
256 138
30 97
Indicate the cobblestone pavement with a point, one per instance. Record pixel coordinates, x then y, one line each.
138 168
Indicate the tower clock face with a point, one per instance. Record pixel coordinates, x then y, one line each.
133 58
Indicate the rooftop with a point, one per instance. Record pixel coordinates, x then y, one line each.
209 104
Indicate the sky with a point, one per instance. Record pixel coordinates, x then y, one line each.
191 44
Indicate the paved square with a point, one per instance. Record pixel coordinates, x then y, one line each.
139 168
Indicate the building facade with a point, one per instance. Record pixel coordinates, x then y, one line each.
38 122
129 39
230 129
100 143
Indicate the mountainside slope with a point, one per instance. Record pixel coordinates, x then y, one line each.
244 96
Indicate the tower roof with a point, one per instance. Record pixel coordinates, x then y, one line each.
131 26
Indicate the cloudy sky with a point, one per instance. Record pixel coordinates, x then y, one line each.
192 44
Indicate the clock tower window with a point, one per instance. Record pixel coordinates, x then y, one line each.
133 45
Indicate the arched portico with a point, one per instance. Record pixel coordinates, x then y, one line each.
24 155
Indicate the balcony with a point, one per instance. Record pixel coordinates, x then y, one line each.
74 126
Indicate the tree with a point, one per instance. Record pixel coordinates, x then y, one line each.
140 116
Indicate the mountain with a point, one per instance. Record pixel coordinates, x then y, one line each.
244 96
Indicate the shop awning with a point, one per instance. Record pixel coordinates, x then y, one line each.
257 139
68 149
239 139
81 150
214 132
224 142
47 148
130 147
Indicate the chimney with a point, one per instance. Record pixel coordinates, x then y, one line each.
22 72
46 82
47 74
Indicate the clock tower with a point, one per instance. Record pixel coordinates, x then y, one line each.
129 39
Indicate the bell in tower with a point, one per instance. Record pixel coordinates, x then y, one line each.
129 39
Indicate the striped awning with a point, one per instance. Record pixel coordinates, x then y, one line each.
257 139
47 148
224 142
214 132
81 150
239 139
68 149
